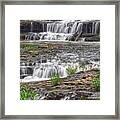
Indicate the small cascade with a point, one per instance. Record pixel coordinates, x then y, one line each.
46 70
43 71
25 70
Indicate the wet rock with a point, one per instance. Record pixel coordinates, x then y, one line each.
92 39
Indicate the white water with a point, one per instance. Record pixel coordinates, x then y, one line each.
44 71
48 36
63 30
65 27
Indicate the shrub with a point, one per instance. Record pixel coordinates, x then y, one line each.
96 83
71 70
26 94
55 79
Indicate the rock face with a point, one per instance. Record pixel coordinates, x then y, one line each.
75 87
68 30
32 26
49 57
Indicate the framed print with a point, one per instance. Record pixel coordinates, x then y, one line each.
60 59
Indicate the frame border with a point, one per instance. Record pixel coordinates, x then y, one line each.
55 2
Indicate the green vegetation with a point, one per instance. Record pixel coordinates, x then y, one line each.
71 70
96 82
97 74
82 65
55 79
26 94
30 47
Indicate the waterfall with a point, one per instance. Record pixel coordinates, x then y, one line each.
31 26
61 30
97 25
65 27
43 71
46 70
25 71
73 27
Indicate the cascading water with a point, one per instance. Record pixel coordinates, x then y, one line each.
63 30
44 71
31 24
58 30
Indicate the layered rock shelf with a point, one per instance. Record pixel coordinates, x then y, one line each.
61 52
75 87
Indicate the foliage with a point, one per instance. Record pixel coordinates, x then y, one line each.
96 83
55 79
26 94
97 74
30 47
71 70
82 65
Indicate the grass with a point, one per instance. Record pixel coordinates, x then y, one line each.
55 79
26 94
96 82
29 47
71 70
